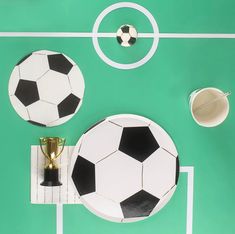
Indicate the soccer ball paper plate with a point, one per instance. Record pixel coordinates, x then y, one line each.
125 168
46 88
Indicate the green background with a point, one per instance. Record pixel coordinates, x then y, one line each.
158 90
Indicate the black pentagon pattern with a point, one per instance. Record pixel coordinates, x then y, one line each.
132 41
177 170
68 106
140 204
84 176
119 39
27 92
59 63
138 142
125 29
36 123
23 59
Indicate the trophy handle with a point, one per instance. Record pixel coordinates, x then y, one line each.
42 142
61 143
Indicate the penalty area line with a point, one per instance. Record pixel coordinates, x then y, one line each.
190 194
59 219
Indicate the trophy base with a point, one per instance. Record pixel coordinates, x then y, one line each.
51 178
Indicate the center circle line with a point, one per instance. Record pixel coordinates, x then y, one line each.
139 8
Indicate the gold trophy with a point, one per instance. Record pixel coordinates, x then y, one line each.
52 148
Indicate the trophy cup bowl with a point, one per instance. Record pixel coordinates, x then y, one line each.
52 148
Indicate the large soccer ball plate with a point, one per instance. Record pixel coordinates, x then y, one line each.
46 88
125 168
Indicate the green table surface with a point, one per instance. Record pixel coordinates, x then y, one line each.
158 90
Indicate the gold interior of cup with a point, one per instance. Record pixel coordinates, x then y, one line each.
213 113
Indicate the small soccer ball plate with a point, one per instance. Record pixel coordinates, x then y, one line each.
127 35
125 168
46 88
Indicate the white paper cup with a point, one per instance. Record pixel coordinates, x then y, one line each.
208 106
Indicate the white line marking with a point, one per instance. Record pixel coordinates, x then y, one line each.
40 173
37 174
56 34
190 192
113 35
197 35
148 35
33 175
59 219
70 188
